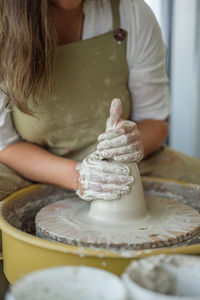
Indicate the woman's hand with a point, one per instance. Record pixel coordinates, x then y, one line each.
103 179
122 140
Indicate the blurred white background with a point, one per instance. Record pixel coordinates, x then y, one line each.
180 24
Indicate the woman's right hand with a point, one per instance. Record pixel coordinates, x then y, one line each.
100 179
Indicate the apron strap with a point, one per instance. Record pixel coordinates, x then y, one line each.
115 13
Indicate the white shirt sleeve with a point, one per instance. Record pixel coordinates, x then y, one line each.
146 55
8 134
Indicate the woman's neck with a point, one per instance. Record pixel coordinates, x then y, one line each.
68 21
66 4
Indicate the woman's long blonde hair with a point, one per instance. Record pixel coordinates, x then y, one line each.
27 50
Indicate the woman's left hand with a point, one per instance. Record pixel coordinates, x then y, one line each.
122 140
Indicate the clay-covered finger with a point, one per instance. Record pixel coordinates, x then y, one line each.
119 141
111 134
107 178
132 157
115 113
126 125
90 195
90 164
125 128
105 188
109 153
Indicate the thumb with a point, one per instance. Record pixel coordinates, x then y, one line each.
115 114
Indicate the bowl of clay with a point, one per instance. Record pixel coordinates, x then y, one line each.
164 277
68 283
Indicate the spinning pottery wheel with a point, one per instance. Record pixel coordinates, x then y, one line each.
23 252
132 222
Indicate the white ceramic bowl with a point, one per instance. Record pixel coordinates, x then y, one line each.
69 283
184 269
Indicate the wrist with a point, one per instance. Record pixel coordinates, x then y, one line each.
69 175
75 177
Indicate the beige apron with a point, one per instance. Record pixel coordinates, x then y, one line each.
87 76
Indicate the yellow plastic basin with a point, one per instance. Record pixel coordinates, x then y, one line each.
24 252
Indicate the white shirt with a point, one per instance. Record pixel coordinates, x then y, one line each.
146 56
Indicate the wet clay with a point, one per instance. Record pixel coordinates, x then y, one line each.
168 223
130 206
175 275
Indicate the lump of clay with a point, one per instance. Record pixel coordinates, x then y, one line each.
151 274
177 275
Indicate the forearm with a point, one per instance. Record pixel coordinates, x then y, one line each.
154 133
37 164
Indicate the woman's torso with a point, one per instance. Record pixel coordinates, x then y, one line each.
147 83
87 75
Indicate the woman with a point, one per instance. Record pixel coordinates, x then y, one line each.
87 75
61 64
